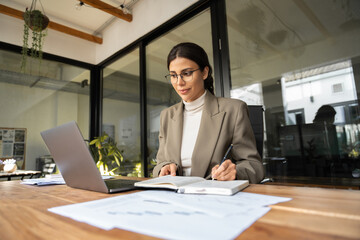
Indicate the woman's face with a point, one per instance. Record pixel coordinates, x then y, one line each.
193 89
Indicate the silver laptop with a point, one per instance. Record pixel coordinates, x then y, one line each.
75 162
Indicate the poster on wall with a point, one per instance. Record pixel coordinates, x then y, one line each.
12 145
127 130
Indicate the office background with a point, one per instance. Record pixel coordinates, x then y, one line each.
292 57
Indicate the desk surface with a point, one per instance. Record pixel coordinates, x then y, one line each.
314 213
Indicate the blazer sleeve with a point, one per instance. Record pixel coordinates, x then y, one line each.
245 155
161 157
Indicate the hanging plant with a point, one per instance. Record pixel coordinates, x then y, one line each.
37 21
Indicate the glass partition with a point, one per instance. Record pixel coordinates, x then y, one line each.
121 110
45 96
294 58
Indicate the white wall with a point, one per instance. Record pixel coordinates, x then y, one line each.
125 117
147 15
38 109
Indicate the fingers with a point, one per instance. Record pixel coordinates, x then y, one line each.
173 169
164 171
226 172
168 169
213 170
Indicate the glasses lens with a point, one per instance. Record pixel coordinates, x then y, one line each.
169 78
187 76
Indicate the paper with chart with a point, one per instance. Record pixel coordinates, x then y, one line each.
167 214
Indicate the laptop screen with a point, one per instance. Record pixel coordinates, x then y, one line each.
73 158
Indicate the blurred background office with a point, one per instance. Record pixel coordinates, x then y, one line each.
291 57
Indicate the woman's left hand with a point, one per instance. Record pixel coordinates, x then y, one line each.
226 172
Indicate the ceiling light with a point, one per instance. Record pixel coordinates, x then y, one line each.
125 9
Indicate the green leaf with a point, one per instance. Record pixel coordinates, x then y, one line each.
98 164
111 152
118 155
117 160
103 138
106 153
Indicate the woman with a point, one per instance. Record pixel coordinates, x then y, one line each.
196 133
325 115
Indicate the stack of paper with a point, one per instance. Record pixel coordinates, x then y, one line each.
49 180
170 215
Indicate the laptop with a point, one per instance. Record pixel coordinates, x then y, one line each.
75 162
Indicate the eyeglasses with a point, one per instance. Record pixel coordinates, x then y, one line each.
186 76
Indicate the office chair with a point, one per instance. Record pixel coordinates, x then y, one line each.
257 124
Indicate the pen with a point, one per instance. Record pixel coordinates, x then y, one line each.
225 156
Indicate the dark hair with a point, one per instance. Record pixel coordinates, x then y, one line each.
325 113
197 54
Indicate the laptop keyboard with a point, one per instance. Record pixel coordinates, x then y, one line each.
120 183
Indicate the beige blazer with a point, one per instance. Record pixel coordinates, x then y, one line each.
224 121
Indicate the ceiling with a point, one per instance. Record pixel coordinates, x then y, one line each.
71 13
267 38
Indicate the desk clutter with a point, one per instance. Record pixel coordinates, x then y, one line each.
8 166
168 215
19 174
9 169
53 179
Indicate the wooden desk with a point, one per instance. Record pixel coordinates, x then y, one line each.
314 213
19 173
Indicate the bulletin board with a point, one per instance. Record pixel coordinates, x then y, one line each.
13 145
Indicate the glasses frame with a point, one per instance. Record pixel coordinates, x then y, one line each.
168 77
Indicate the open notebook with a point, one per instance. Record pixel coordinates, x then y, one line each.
195 185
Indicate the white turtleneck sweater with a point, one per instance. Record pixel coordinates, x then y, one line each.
191 124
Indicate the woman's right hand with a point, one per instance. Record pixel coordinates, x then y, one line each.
169 169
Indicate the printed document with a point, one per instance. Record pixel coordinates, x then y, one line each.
169 215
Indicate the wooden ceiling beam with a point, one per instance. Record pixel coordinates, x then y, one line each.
52 25
108 8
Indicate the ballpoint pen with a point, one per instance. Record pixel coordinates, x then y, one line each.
225 156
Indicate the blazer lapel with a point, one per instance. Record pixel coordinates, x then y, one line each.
210 127
176 126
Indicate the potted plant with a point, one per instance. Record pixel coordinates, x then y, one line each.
106 154
37 22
